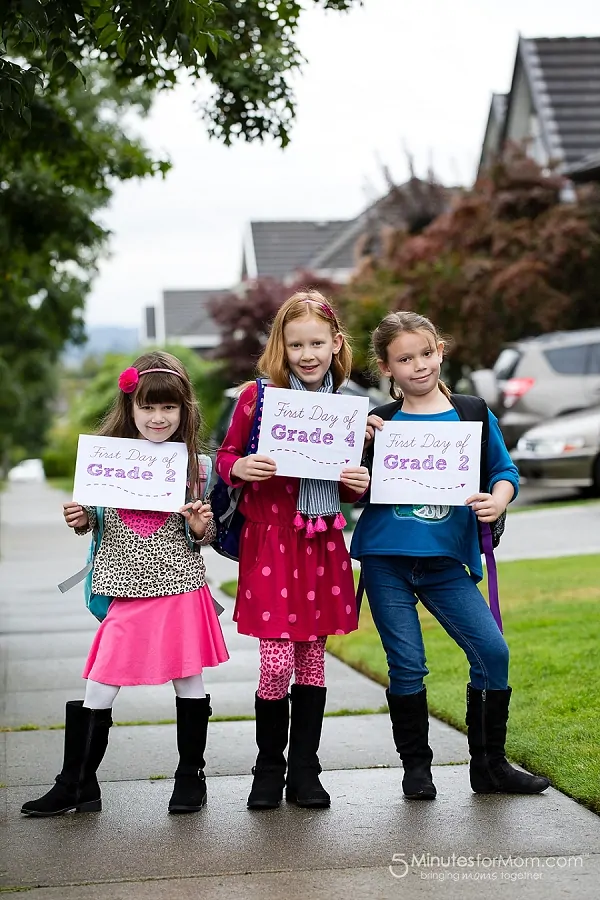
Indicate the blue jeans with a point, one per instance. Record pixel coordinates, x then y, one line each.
395 583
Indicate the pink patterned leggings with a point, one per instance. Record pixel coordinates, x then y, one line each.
279 659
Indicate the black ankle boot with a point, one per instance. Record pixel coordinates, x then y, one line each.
189 792
86 740
410 728
303 785
490 772
272 726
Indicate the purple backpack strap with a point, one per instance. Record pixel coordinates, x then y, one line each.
492 572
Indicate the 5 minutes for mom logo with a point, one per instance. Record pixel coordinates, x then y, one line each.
399 867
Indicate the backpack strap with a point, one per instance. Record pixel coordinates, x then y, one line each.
205 467
252 444
474 409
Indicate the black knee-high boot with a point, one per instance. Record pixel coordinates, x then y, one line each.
272 726
86 740
410 728
189 792
490 772
303 785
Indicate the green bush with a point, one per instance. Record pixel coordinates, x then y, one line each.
59 456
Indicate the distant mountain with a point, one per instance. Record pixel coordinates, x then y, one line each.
103 339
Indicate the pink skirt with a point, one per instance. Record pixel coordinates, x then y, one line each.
155 639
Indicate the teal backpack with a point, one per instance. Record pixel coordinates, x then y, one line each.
97 603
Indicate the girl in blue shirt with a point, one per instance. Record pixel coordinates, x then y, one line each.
431 553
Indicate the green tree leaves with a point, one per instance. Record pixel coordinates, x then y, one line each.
246 48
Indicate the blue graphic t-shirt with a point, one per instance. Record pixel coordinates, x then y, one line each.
428 530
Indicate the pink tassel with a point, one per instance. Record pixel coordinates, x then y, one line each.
339 522
320 524
310 529
298 521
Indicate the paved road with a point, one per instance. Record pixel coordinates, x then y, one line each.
133 849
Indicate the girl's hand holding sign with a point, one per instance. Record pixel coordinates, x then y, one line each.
373 422
356 478
254 468
75 515
198 514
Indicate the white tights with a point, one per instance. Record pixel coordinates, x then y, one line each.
102 696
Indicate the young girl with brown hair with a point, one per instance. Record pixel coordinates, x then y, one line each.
295 580
431 553
161 625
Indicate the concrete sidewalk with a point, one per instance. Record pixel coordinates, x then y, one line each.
133 849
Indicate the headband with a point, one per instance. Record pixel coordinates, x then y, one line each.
128 380
324 307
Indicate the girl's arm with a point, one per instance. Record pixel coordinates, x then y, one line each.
236 439
503 478
233 451
500 465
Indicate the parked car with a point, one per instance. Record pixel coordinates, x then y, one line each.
564 452
352 389
536 379
31 470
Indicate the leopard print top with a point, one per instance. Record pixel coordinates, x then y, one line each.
145 554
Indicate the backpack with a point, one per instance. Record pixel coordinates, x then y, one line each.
97 603
469 409
225 499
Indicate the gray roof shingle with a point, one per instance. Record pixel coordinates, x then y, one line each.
281 248
587 169
565 76
186 312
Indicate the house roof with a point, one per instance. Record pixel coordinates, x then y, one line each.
277 249
186 312
564 80
588 169
280 248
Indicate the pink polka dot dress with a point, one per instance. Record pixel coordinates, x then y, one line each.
289 586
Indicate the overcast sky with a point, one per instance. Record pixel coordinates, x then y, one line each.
393 74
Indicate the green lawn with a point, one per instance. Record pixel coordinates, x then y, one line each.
551 613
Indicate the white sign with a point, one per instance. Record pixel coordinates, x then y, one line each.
426 462
128 473
312 435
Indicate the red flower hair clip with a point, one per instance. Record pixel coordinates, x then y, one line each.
128 380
